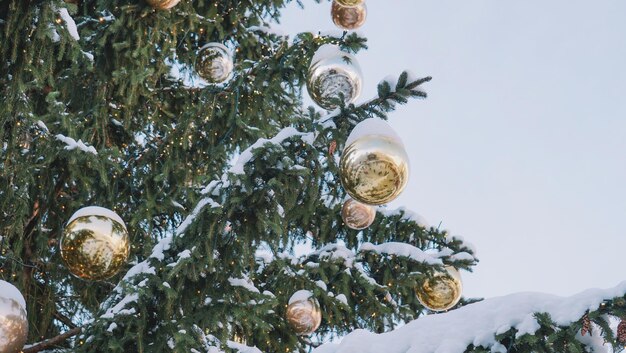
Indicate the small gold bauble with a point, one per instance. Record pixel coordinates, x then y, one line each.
442 291
214 63
333 73
13 319
348 17
350 2
304 313
162 4
357 215
95 243
374 169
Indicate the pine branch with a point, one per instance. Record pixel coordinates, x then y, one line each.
52 341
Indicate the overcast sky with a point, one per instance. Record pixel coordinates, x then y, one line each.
521 146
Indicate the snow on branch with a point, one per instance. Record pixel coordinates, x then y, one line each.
247 155
73 144
69 23
401 249
244 282
478 324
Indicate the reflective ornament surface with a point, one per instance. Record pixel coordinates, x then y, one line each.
374 169
95 243
214 63
334 75
350 2
13 319
162 4
348 17
357 215
304 315
442 291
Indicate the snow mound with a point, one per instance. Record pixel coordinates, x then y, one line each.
300 295
373 126
97 211
475 324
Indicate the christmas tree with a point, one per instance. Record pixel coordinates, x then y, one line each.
185 123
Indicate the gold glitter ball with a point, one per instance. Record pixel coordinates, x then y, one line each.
162 4
333 73
374 169
357 215
95 243
304 313
13 320
214 63
348 17
442 291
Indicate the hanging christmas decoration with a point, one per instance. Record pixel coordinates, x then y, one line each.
163 4
214 63
586 325
442 291
95 243
304 313
332 74
357 215
621 331
374 166
13 320
348 17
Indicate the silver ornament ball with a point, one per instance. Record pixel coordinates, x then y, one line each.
333 73
13 319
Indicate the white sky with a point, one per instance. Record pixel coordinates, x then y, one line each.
521 145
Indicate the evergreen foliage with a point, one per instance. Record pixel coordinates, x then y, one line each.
216 184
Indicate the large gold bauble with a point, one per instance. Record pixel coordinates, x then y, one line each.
214 63
13 319
357 215
304 313
162 4
332 75
374 169
350 2
442 291
348 17
95 243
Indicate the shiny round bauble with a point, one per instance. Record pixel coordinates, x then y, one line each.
350 2
13 319
348 17
214 63
95 243
442 291
357 215
304 313
331 76
374 169
162 4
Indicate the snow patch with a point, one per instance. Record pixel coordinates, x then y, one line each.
477 324
73 144
97 211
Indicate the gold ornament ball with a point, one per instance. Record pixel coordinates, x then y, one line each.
357 215
214 63
333 73
350 2
442 291
95 243
348 17
162 4
304 313
374 169
13 319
